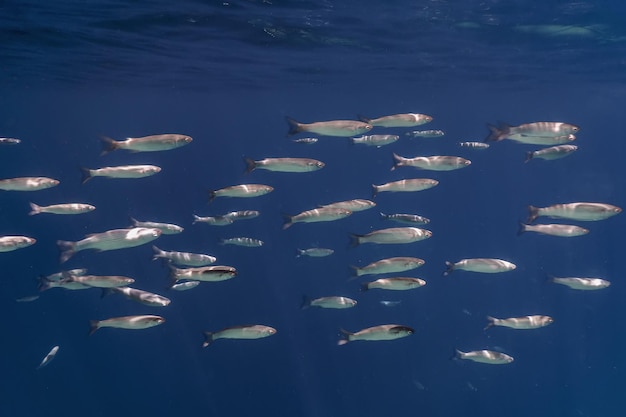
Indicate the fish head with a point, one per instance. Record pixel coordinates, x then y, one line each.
548 320
317 164
187 139
156 320
428 233
155 169
402 330
616 210
29 241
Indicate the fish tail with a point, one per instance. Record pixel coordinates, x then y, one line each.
288 221
355 240
306 302
397 161
345 337
492 322
383 216
250 164
212 195
533 213
450 268
299 253
522 229
108 145
294 126
86 175
208 339
67 250
365 287
34 209
529 156
172 275
374 190
196 219
157 253
456 354
133 221
44 284
497 133
93 326
355 272
363 118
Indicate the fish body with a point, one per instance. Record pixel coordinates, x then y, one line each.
213 273
165 228
122 171
241 191
376 333
27 299
561 230
241 215
284 164
535 129
482 265
341 128
389 265
67 208
355 205
184 258
247 242
474 145
409 185
521 323
315 252
426 133
392 235
109 240
551 153
321 214
127 322
332 302
9 141
143 297
375 140
582 283
542 140
153 143
58 276
394 284
411 219
305 141
64 283
575 211
485 356
398 120
431 163
49 357
11 243
184 286
100 281
256 331
28 183
213 220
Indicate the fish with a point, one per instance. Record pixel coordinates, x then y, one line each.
574 211
140 296
382 332
256 331
11 243
406 218
9 141
355 205
394 284
109 240
474 145
535 129
342 128
388 303
241 191
521 323
242 241
213 220
122 171
426 133
284 164
408 185
393 235
66 208
485 356
314 252
28 183
27 299
165 228
183 258
375 140
305 141
482 265
58 276
389 265
126 322
241 215
542 140
582 283
551 153
398 120
431 163
321 214
561 230
184 286
333 302
49 357
153 143
100 281
66 284
213 273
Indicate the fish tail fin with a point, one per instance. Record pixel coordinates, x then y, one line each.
374 190
355 240
397 161
172 275
34 209
93 326
355 272
133 221
306 302
86 175
250 164
383 216
212 195
529 156
288 221
108 145
208 339
157 253
497 133
522 229
299 253
450 268
196 219
491 323
456 354
533 213
294 126
44 284
345 337
67 250
363 118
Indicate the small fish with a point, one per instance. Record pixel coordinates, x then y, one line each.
165 228
11 243
140 296
314 252
126 322
582 283
67 208
551 153
284 164
575 211
521 323
474 145
398 120
485 356
256 331
321 214
213 220
213 273
383 332
123 171
305 141
394 284
330 128
58 276
410 185
393 235
153 143
49 357
431 163
333 302
9 141
535 129
242 241
27 299
28 183
352 205
482 265
241 215
184 258
184 286
241 191
413 219
389 265
100 281
375 140
561 230
426 133
388 303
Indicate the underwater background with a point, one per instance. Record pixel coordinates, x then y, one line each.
227 74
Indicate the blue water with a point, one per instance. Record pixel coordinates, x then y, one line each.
227 74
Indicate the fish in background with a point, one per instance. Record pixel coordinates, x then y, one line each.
64 209
584 284
376 333
574 211
485 356
431 163
213 220
426 133
332 302
27 299
165 228
11 243
49 357
153 143
213 273
375 140
28 183
314 252
256 331
305 141
389 265
284 164
560 230
127 322
342 128
520 323
551 153
9 141
58 276
394 284
413 219
390 303
357 204
393 235
247 242
184 286
321 214
183 258
241 191
482 265
122 171
474 145
407 185
140 296
99 281
545 130
398 120
241 215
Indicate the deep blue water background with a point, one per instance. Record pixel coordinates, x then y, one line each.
227 73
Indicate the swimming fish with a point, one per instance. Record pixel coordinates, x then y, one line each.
485 356
431 163
582 283
183 258
165 228
394 284
551 153
389 265
305 141
426 133
242 241
375 140
398 120
213 273
213 220
153 143
66 208
11 243
521 323
184 286
284 164
100 281
28 183
574 211
140 296
256 331
49 357
535 129
9 141
393 235
482 265
241 191
408 185
321 214
413 219
561 230
474 145
355 205
333 302
383 332
122 171
126 322
315 252
330 128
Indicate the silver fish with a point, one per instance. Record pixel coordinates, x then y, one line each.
355 205
140 296
122 171
315 252
333 302
474 145
551 153
126 322
330 128
27 299
485 356
482 265
305 141
11 243
398 120
241 215
184 258
582 283
153 143
575 211
100 281
9 141
256 331
389 265
405 218
394 284
392 235
244 190
321 214
66 284
58 276
409 185
521 323
426 133
561 230
109 240
49 357
284 164
165 228
242 241
388 303
540 129
213 220
184 286
431 163
66 208
375 140
28 183
213 273
383 332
